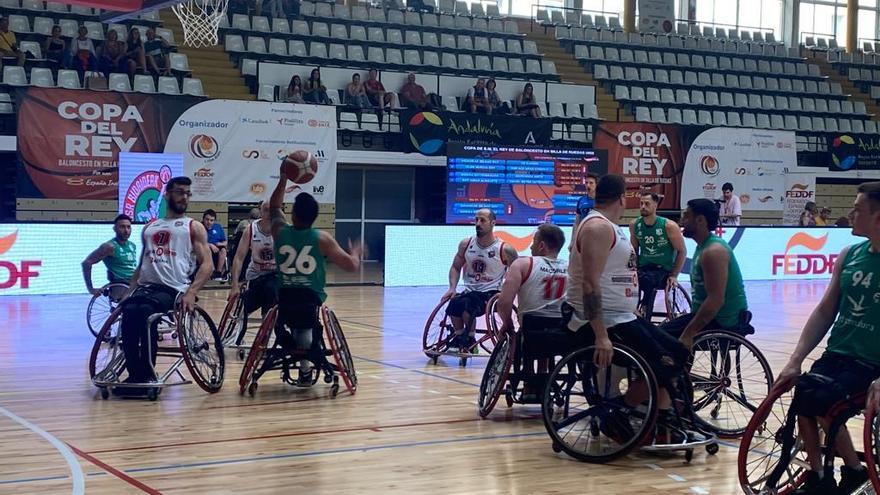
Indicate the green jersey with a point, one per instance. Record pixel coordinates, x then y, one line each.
734 292
299 260
123 261
654 245
858 316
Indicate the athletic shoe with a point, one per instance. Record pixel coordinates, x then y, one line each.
614 423
851 479
813 485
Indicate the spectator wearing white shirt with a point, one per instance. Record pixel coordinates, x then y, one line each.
731 209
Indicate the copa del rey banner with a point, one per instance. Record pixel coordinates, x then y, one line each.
649 157
70 140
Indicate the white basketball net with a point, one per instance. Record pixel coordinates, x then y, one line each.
200 20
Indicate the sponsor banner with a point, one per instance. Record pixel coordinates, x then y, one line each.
763 253
656 16
754 161
799 188
649 156
853 152
70 140
232 149
28 266
142 180
428 132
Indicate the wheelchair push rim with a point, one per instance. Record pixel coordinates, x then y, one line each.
340 350
108 341
202 349
496 374
232 319
599 406
436 337
871 434
101 306
258 349
678 302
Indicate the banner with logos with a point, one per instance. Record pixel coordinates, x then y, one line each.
799 189
763 253
428 132
754 161
142 180
70 140
853 152
650 157
656 16
27 267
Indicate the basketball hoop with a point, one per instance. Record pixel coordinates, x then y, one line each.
200 20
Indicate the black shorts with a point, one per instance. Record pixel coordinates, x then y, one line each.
261 293
832 378
653 277
544 337
114 279
473 302
298 307
676 327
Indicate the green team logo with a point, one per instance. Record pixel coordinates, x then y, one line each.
144 198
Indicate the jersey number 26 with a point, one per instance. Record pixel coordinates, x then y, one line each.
301 263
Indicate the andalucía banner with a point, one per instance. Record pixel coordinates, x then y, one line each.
429 132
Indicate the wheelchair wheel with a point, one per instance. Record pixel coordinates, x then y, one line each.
101 305
339 348
438 331
202 349
495 375
771 459
730 379
584 410
247 381
232 320
492 334
678 302
872 451
107 360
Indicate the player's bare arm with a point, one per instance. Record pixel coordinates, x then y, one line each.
596 239
676 239
244 245
96 256
632 237
348 261
513 280
203 257
276 203
509 255
713 261
455 270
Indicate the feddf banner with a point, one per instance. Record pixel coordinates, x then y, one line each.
753 161
142 181
656 16
799 189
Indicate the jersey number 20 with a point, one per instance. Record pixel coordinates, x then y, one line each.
301 263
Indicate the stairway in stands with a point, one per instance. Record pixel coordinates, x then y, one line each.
855 94
572 72
220 78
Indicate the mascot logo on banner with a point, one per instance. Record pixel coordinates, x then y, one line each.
427 132
710 166
844 152
204 146
143 201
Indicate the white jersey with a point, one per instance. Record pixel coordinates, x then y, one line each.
619 280
168 253
484 268
543 290
262 253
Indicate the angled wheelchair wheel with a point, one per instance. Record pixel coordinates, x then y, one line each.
232 320
496 373
584 410
730 379
678 302
438 331
247 380
202 349
771 458
488 339
101 305
107 361
872 451
339 348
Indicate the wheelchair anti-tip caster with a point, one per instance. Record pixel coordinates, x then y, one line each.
556 447
334 390
328 378
688 455
252 389
105 394
241 354
152 394
712 448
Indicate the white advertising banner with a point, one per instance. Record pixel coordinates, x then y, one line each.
233 149
656 16
799 189
753 161
421 255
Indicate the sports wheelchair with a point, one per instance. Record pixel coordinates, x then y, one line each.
677 302
102 305
197 345
439 332
234 324
771 458
284 355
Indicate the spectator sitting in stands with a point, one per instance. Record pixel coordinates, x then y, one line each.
111 53
476 100
314 91
294 92
82 52
54 49
134 58
823 220
376 91
412 95
354 93
808 216
842 222
276 8
156 53
8 43
496 106
527 104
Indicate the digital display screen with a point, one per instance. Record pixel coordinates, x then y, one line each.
521 185
142 180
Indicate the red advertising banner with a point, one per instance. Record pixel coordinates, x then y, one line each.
650 157
111 5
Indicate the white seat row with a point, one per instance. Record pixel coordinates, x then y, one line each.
738 100
575 18
751 120
378 15
864 74
42 77
820 43
708 32
706 79
685 60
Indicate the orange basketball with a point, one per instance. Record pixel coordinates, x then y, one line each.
300 166
534 196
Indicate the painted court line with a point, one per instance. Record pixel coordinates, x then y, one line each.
115 472
76 473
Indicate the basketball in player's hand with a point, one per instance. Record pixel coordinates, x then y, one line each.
300 166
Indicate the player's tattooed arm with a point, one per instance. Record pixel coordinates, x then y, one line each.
593 306
510 254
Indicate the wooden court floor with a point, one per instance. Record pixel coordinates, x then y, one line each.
412 427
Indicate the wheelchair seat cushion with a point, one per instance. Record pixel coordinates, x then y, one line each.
833 378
